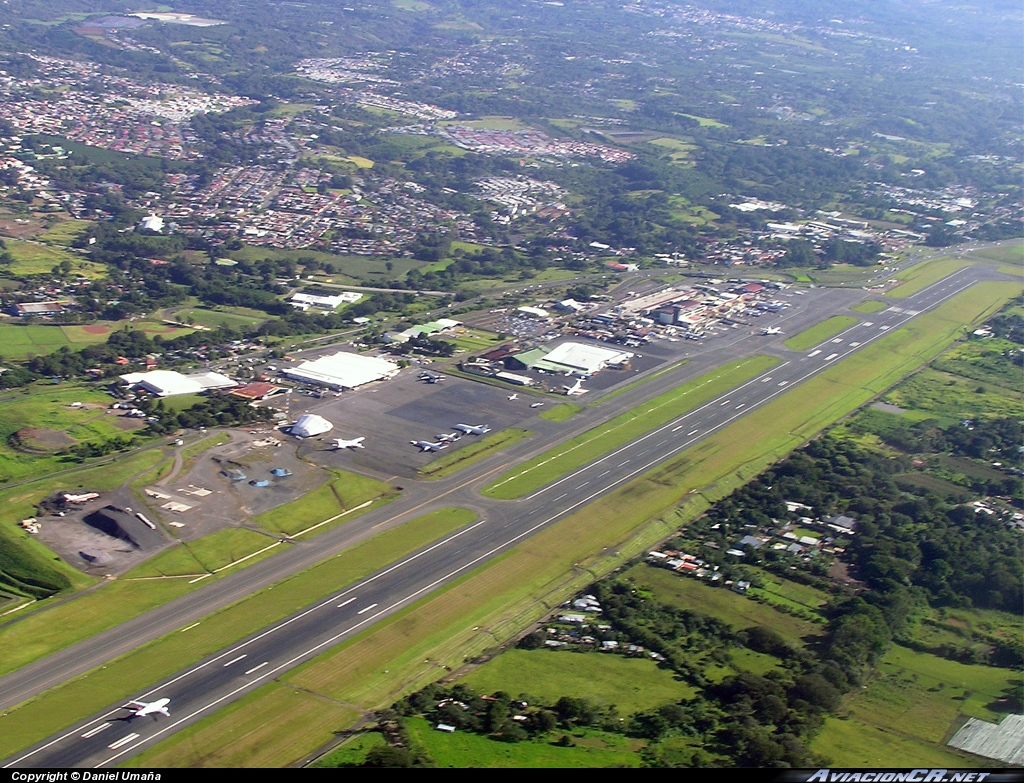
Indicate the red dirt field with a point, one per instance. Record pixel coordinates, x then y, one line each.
96 329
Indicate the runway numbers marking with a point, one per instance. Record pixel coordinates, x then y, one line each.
97 730
236 660
123 741
368 608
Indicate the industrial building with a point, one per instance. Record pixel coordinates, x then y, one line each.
575 358
342 371
167 383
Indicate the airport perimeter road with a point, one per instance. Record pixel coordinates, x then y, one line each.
108 738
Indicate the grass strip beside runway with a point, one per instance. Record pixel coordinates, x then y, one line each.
40 717
820 332
481 448
584 449
496 601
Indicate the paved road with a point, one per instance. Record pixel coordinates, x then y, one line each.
195 692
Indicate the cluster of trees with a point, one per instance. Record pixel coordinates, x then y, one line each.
215 411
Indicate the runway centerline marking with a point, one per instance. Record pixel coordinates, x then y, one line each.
368 608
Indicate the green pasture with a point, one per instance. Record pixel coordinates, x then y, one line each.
738 611
984 360
562 412
34 258
920 276
343 493
820 332
357 269
20 341
954 398
229 317
479 449
911 704
466 750
46 406
744 660
473 340
1009 254
631 684
870 306
64 232
77 698
352 751
579 451
704 122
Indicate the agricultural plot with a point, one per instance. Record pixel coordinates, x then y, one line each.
738 611
64 232
910 705
233 318
34 258
631 684
462 750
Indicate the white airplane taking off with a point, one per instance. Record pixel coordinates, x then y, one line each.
771 330
426 445
355 443
473 429
143 708
576 388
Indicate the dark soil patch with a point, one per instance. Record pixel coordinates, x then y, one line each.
42 439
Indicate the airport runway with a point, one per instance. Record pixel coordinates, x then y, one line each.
108 738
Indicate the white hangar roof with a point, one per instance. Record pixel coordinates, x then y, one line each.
342 370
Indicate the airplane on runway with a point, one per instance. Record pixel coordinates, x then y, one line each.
576 388
143 708
431 377
449 437
355 443
473 429
771 330
426 445
536 404
513 397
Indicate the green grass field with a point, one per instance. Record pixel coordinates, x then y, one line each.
910 705
579 451
631 684
820 332
920 276
496 601
869 306
233 318
729 607
616 392
22 341
1010 254
33 720
352 752
474 452
562 412
463 749
954 398
47 407
63 232
343 493
34 258
205 555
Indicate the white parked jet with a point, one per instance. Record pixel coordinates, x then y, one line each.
473 429
576 388
448 437
355 443
426 445
771 330
431 377
513 397
536 404
143 708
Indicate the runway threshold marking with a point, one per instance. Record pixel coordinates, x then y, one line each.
812 354
97 730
